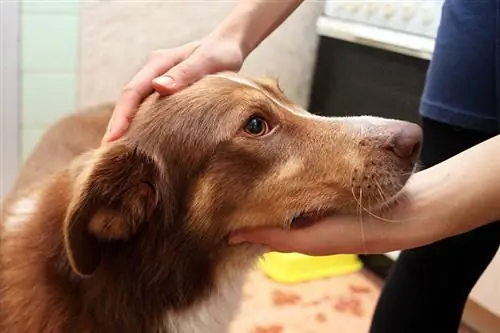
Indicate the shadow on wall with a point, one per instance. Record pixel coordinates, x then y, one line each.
117 36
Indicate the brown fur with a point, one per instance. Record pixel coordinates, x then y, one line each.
130 236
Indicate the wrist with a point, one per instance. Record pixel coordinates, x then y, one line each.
437 207
234 31
419 218
252 21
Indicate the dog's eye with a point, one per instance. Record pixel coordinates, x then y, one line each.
256 126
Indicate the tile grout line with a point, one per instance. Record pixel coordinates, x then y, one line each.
31 13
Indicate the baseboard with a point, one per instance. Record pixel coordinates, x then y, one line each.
480 319
475 316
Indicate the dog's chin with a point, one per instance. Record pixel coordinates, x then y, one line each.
396 197
307 219
390 203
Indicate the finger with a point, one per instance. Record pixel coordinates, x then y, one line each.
169 82
276 238
135 91
329 236
159 64
182 75
122 115
304 240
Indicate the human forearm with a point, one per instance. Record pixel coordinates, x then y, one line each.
251 21
453 197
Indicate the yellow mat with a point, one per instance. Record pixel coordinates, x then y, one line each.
295 267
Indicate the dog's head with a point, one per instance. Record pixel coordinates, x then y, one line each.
224 154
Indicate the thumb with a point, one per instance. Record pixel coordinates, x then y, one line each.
278 239
330 235
185 73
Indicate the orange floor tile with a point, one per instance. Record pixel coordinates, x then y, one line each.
342 304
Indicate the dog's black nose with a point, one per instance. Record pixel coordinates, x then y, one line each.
406 142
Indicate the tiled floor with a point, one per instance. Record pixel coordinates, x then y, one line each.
342 304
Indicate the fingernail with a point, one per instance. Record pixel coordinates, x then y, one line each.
165 81
108 130
110 134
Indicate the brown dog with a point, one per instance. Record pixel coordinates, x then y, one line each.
132 236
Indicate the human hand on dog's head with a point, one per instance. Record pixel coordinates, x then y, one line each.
224 49
169 71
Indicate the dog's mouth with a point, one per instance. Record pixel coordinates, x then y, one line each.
309 218
389 203
306 219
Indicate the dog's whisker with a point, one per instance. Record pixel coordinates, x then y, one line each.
407 173
379 190
373 214
385 201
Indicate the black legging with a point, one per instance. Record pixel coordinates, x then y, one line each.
427 289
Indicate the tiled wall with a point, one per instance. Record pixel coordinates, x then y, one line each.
49 64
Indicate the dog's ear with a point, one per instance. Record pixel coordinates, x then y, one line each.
114 194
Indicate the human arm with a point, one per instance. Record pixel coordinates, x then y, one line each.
253 20
225 48
453 197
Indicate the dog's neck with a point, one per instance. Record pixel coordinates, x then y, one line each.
189 287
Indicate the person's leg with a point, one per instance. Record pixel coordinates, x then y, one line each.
427 289
428 286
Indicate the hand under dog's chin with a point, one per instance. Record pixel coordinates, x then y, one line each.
305 220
